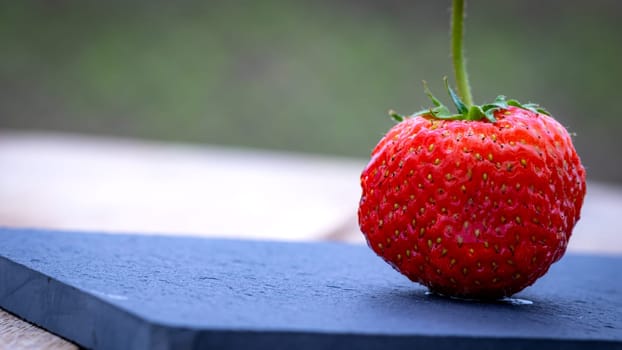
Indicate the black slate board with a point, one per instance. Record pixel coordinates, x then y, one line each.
154 292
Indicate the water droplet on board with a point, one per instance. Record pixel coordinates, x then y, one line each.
516 301
506 300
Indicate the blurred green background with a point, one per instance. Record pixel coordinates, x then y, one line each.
311 76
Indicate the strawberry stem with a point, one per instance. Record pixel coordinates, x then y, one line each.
457 52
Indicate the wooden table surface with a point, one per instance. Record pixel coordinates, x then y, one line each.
61 181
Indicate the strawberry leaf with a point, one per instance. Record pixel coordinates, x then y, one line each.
514 103
460 106
434 100
499 103
535 108
477 113
441 112
397 117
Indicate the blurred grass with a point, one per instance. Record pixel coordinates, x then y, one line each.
298 75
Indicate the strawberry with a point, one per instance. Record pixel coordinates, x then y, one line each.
477 204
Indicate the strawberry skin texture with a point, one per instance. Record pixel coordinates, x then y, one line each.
473 209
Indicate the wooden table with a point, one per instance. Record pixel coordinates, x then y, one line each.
61 181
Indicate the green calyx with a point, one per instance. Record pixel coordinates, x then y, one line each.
473 112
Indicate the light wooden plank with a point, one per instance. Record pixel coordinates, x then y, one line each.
16 334
83 183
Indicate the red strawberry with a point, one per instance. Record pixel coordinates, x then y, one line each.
473 208
477 204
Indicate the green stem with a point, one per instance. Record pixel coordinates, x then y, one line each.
457 52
